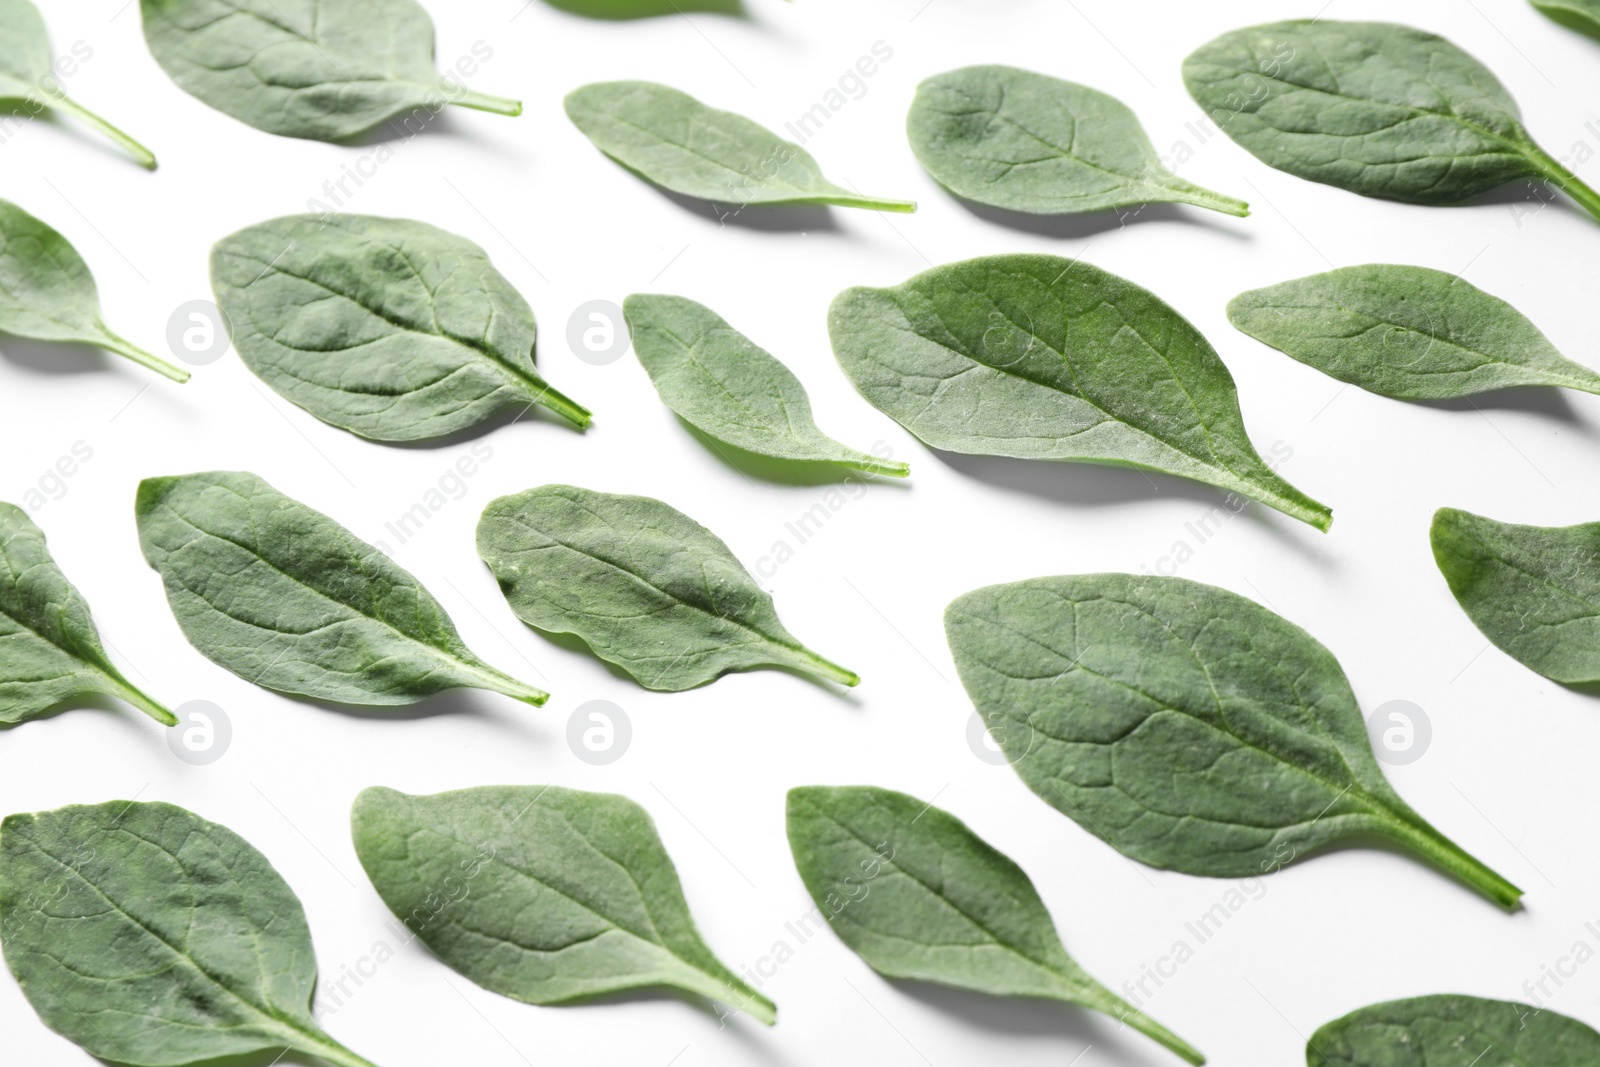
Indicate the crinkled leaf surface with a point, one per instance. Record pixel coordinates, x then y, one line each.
324 69
1040 357
1580 15
672 139
388 328
1448 1029
50 651
645 586
543 894
154 938
916 894
1188 727
719 381
1028 142
1534 591
1412 333
285 597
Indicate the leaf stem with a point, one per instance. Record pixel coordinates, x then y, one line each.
1565 180
808 661
1102 999
123 347
873 465
564 406
131 693
142 155
498 105
1199 197
1452 858
902 207
500 682
326 1048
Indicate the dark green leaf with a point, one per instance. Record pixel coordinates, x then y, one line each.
1534 591
154 938
1028 142
1450 1029
285 597
1040 357
645 586
1187 727
918 895
1580 15
1407 332
542 894
388 328
672 139
325 69
719 381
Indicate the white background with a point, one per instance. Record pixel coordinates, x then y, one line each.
1510 772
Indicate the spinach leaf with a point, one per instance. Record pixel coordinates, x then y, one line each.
324 69
154 938
1406 332
1580 15
542 894
285 597
1187 727
1372 107
719 381
1449 1028
1534 591
672 139
914 892
28 76
1040 357
388 328
645 586
50 651
48 294
1027 142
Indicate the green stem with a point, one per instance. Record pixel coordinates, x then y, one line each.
1194 194
879 466
564 406
808 661
1452 858
326 1048
123 347
498 105
139 152
131 693
500 682
1106 1001
1565 180
903 207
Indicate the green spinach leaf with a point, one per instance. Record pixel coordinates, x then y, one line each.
285 597
1187 727
1028 142
1406 332
917 895
1534 591
719 381
645 586
1580 15
28 77
324 69
542 894
1040 357
154 938
388 328
50 651
672 139
48 294
1448 1029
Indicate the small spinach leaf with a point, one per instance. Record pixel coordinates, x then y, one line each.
154 938
1040 357
1447 1028
1580 15
672 139
644 585
542 894
1372 107
1406 332
324 69
28 76
388 328
1187 727
285 597
48 294
50 651
1534 591
917 895
1027 142
719 381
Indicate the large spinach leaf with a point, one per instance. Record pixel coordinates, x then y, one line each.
1041 357
1580 15
644 585
918 895
1449 1029
1184 725
542 894
154 938
285 597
